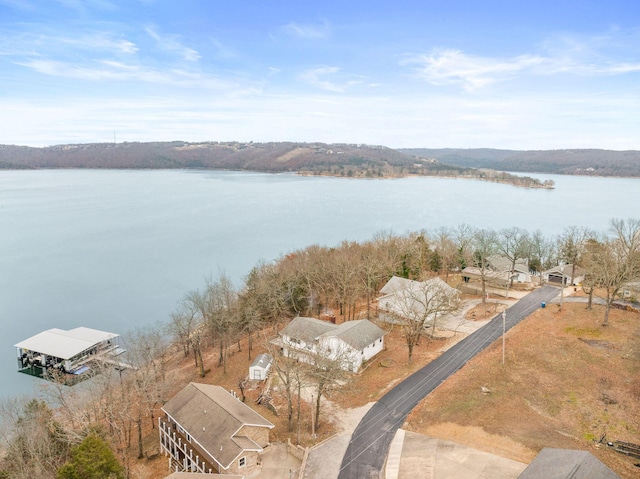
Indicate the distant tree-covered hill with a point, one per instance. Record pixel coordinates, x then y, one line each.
307 158
565 162
273 157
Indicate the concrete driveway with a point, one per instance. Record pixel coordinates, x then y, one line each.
413 455
277 463
430 458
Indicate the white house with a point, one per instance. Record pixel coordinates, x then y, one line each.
260 367
520 272
352 343
406 298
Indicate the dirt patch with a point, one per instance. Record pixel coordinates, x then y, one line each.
482 312
555 390
390 367
597 343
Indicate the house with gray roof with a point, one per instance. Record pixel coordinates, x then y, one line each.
408 299
207 430
565 274
553 463
517 273
351 343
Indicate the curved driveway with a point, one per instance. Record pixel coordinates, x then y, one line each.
370 441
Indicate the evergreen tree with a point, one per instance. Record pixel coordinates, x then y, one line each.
92 459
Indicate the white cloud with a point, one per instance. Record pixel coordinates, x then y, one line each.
83 5
598 55
24 5
171 44
444 67
112 70
42 43
307 31
222 51
329 79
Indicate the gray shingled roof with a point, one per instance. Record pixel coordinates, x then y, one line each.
307 329
502 263
566 270
213 417
396 283
566 464
358 334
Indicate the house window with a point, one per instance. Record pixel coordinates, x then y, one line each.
242 462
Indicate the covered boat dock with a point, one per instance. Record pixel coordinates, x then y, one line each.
56 351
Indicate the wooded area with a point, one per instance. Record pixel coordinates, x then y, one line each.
352 161
585 162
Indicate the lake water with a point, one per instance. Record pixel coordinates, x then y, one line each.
116 249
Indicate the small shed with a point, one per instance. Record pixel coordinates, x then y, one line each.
260 366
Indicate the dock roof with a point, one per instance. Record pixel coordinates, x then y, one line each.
65 344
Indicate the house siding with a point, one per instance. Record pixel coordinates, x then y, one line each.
252 463
259 435
183 454
334 348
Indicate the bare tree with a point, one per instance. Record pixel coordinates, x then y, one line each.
34 443
343 266
447 251
287 370
192 319
463 237
371 272
540 254
421 305
147 382
221 310
513 244
571 246
327 372
484 245
615 260
182 325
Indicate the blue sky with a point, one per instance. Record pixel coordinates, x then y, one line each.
496 73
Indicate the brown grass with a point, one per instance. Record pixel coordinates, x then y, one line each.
567 380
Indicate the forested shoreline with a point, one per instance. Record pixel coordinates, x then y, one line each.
43 439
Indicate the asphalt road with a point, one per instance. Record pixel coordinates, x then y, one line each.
370 441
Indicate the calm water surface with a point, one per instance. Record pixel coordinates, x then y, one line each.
117 249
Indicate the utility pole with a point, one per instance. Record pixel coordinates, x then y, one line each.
313 426
561 284
504 329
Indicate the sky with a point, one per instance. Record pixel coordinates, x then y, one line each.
405 74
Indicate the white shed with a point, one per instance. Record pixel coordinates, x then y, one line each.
260 366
